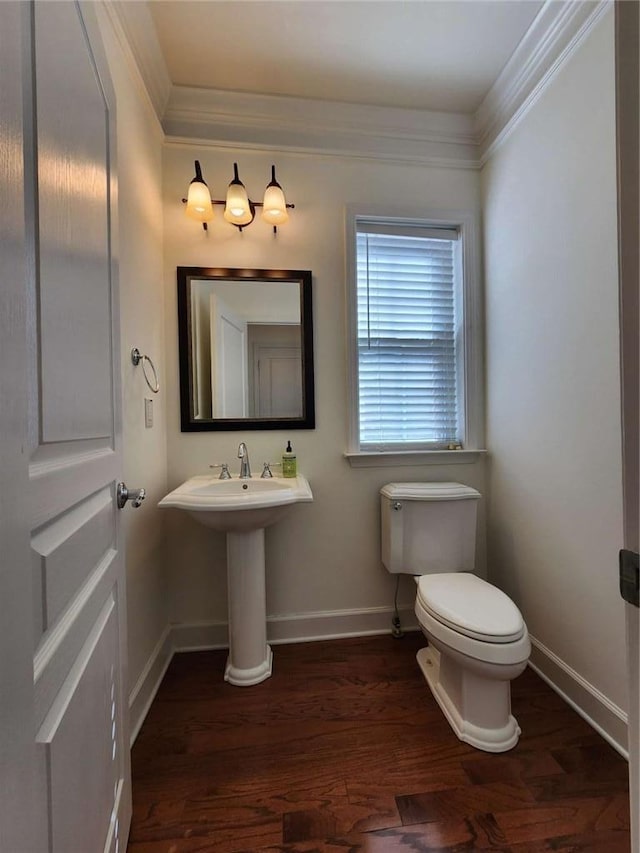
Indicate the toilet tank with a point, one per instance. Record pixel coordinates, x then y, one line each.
428 528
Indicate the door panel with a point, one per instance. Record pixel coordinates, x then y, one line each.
67 550
62 643
279 381
73 233
79 735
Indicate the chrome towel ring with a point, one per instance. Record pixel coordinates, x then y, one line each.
136 358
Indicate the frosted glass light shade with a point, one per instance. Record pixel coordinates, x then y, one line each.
199 205
237 209
274 208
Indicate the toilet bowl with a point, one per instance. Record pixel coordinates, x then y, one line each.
478 643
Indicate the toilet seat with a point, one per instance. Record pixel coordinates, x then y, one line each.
471 606
463 603
505 654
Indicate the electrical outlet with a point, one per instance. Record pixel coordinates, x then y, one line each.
148 413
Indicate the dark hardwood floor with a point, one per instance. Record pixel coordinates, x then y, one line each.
344 749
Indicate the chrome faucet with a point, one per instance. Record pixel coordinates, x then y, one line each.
243 456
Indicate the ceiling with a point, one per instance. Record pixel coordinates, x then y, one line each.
418 54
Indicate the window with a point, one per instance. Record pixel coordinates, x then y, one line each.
409 336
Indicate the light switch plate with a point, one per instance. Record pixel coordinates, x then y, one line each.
148 413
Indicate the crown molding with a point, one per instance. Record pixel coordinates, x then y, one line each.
217 118
136 33
327 127
396 158
554 35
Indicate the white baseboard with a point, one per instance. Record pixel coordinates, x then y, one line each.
604 716
336 624
146 687
199 636
297 628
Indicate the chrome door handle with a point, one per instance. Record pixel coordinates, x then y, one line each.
123 494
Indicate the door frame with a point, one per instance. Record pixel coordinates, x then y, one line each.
627 56
18 830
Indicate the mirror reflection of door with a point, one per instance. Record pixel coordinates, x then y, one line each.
201 354
229 379
275 376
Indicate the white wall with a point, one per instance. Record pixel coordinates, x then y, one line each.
248 301
553 403
142 325
325 556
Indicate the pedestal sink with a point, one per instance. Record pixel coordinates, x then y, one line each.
242 509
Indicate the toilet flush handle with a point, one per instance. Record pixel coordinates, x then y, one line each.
396 505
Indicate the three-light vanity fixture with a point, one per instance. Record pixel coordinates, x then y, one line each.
239 210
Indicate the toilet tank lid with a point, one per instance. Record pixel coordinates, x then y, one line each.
429 492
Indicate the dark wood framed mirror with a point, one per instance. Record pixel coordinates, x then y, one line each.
246 349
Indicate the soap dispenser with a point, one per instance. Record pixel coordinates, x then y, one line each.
289 462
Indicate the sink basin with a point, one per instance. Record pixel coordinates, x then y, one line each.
238 505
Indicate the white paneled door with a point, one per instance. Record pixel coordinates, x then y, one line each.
228 361
64 757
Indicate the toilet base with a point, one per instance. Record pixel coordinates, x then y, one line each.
477 708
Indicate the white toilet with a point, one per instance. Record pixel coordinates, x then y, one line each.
477 638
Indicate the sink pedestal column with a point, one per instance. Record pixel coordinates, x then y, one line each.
249 660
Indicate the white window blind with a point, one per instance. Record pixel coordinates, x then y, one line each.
406 315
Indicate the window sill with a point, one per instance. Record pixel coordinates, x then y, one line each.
387 459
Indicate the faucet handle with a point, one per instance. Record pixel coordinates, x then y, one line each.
224 474
266 471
